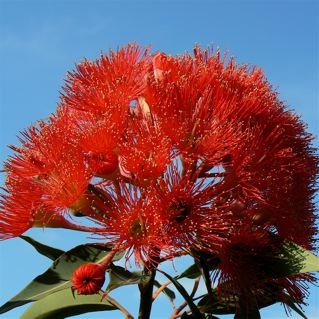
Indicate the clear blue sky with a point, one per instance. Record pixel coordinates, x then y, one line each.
41 40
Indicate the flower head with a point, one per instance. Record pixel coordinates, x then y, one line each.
133 223
99 143
109 84
51 160
46 177
190 219
144 151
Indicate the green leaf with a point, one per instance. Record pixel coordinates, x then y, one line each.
191 272
290 260
185 295
119 277
58 276
166 291
309 262
63 304
209 262
50 252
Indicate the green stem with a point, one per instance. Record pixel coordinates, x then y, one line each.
146 292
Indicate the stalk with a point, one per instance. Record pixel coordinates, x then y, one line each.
146 294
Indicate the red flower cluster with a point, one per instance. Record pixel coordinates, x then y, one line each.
167 154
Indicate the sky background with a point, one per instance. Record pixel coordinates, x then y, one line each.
41 40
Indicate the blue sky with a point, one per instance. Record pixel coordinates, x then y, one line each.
41 40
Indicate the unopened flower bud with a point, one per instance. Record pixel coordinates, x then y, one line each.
88 279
